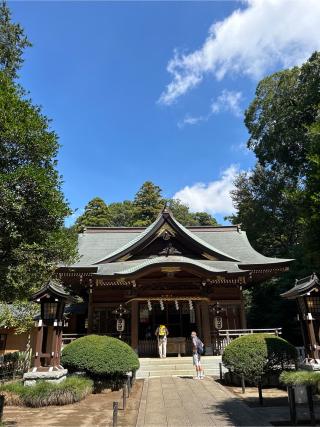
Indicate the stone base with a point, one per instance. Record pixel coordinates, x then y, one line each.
31 378
310 366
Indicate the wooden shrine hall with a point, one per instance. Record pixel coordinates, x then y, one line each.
188 278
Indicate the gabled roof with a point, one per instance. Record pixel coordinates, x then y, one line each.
100 248
303 287
165 217
54 289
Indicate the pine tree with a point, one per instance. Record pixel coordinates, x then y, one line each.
147 204
96 213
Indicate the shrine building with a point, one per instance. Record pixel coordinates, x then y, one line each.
188 278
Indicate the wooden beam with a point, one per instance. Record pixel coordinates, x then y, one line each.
38 347
243 319
206 330
90 310
134 325
198 318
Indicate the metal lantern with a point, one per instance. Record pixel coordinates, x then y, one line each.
50 310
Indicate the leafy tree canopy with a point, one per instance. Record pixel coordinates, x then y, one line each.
13 41
278 202
147 204
33 239
141 212
96 213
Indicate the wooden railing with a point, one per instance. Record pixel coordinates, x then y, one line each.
219 340
68 338
225 336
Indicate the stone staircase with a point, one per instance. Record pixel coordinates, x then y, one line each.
176 366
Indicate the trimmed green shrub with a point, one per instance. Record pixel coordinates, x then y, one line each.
99 356
300 378
256 355
12 357
44 393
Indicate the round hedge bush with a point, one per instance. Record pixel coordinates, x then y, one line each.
256 355
99 356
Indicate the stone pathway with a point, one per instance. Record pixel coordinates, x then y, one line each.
177 401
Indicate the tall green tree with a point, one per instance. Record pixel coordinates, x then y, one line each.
278 201
203 218
121 214
147 204
33 239
96 213
140 212
310 215
13 42
32 235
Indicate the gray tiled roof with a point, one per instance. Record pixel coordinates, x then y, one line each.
302 287
130 267
98 246
154 227
237 245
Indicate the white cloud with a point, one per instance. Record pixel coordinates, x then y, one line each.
251 41
228 101
213 197
191 120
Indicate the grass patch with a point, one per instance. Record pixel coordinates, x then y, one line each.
300 378
72 390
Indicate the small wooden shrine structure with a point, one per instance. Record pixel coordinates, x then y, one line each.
306 292
188 278
49 327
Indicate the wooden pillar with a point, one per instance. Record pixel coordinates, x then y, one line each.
53 350
206 332
58 346
38 347
243 319
134 326
90 309
198 319
312 339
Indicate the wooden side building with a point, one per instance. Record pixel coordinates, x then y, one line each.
189 278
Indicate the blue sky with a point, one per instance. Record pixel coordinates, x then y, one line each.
146 91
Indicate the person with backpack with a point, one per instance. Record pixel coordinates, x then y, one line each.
197 349
161 334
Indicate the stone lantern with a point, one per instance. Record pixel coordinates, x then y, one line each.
48 336
307 294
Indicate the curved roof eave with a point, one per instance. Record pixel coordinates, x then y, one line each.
163 262
149 231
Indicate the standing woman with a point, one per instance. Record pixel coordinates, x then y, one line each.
197 350
161 334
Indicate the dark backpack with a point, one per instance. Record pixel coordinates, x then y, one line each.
200 346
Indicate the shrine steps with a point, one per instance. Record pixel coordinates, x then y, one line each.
176 366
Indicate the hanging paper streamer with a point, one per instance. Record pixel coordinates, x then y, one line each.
161 305
149 305
190 304
177 304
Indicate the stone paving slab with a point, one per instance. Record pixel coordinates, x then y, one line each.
177 401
